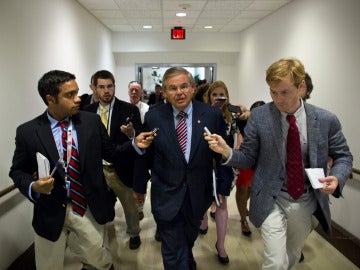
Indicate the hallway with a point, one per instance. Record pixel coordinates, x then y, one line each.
244 253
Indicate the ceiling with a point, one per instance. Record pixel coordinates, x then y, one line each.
222 15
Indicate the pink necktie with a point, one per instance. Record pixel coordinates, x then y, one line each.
181 131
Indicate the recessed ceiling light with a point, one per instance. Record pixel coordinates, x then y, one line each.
147 26
208 27
181 14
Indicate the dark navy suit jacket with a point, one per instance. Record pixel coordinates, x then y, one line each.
93 144
120 111
171 175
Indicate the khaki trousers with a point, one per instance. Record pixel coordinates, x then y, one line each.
125 195
84 237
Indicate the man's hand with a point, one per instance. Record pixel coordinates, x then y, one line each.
139 198
330 184
144 139
44 185
128 130
218 145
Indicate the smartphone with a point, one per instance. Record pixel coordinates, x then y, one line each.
128 119
207 131
154 131
234 109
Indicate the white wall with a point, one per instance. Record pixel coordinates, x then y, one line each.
37 36
325 36
125 65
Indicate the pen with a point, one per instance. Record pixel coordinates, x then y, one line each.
55 167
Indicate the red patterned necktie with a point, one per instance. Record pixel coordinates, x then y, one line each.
294 167
181 131
73 171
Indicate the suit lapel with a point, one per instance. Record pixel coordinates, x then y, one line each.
82 133
312 124
168 126
276 130
46 139
197 130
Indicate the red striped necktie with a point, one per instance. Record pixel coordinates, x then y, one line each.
78 200
294 166
181 131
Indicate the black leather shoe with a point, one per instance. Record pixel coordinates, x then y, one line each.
135 242
222 260
301 257
157 236
192 264
203 231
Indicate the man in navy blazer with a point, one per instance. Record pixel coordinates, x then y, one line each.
181 184
55 224
123 123
286 222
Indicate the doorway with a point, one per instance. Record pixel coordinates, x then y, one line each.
150 74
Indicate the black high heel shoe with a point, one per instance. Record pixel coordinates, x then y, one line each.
222 260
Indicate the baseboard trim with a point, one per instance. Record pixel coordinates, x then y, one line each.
346 233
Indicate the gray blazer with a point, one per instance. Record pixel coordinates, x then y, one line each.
262 147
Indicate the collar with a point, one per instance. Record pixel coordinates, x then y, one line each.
297 113
53 121
188 110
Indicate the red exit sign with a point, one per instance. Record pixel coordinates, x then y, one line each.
178 33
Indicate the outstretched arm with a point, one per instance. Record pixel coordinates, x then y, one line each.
218 145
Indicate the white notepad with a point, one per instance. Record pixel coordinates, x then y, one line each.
214 189
43 165
314 174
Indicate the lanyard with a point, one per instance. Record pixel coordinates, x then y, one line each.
68 149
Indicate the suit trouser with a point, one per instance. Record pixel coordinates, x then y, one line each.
125 195
285 230
84 237
178 237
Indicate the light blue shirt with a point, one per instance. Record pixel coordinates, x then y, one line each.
57 133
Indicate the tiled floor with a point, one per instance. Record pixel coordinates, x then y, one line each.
245 253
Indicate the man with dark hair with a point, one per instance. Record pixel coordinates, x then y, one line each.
122 122
72 204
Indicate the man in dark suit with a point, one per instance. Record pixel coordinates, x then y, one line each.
285 217
56 220
156 96
122 121
87 99
181 178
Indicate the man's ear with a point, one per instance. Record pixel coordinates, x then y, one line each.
50 99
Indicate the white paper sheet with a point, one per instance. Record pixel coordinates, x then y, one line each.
314 174
214 189
43 165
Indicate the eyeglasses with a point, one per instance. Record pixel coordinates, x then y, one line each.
183 87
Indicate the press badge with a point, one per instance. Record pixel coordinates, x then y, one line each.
67 184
